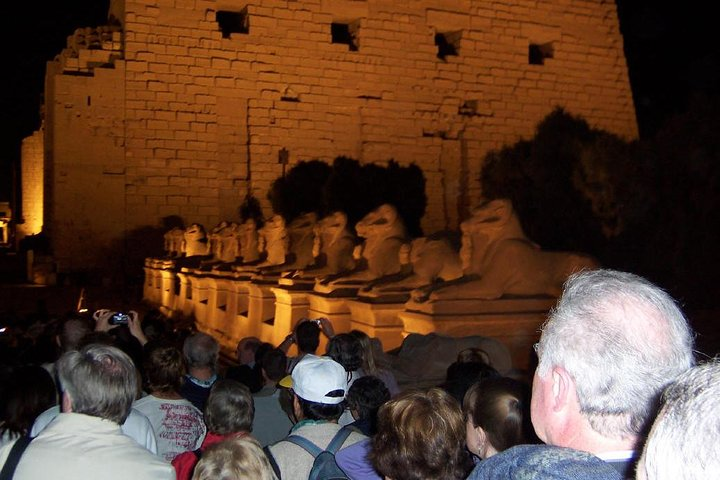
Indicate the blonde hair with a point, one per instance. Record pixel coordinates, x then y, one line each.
239 458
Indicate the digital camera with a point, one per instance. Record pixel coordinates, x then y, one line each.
119 318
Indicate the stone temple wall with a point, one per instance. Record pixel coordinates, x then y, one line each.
85 151
32 185
191 114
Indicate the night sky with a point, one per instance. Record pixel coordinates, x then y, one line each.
33 33
671 49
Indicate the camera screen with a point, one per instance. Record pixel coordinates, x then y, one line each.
119 319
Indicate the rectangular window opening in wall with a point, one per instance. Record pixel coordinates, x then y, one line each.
448 44
538 52
346 34
233 22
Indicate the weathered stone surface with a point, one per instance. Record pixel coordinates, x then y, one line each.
191 122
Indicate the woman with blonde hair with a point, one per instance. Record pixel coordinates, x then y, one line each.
239 458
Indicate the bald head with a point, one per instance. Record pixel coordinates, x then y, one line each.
622 340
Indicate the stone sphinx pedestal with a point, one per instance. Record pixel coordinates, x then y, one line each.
183 300
159 287
200 283
290 306
170 287
219 318
515 321
333 308
149 284
378 319
261 311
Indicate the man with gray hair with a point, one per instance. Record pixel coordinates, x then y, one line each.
201 353
99 384
607 351
684 442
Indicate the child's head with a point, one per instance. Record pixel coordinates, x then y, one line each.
497 416
365 396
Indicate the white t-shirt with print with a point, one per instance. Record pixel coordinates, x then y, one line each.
178 425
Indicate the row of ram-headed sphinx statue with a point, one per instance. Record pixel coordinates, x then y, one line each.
495 257
378 265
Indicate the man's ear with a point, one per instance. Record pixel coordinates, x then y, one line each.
297 408
563 388
66 403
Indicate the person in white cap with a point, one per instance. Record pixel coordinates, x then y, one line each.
318 386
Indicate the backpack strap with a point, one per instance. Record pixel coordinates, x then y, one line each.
337 442
334 445
305 444
13 458
272 461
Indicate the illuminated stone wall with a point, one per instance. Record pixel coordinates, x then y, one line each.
85 207
32 180
201 114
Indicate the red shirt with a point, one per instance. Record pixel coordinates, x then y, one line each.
185 462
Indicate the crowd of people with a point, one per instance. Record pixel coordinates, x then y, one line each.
616 395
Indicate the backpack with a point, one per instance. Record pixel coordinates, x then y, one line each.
324 467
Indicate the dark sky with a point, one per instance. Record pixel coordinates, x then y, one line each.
31 34
673 55
671 48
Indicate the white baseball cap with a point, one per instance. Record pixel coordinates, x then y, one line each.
318 379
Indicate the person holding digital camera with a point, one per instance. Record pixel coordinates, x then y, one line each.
306 336
107 320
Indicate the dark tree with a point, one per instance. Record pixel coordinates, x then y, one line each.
649 207
250 208
407 192
346 192
358 189
537 175
300 191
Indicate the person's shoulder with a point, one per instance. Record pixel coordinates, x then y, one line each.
129 448
5 451
355 436
354 462
191 407
323 433
44 419
144 401
355 450
544 461
268 391
154 468
120 451
184 461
